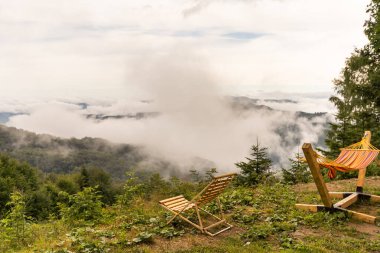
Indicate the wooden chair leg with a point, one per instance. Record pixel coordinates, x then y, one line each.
176 213
192 223
220 208
221 220
199 218
216 217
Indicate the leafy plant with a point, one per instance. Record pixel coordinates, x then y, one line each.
14 226
83 245
143 237
132 189
257 232
82 207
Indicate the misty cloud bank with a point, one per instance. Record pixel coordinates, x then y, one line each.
215 132
184 117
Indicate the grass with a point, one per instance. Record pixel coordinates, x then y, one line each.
265 220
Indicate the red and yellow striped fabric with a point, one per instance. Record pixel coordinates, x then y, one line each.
354 157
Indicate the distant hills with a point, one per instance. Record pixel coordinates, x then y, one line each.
53 154
138 115
237 103
246 103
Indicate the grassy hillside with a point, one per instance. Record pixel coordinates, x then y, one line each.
264 219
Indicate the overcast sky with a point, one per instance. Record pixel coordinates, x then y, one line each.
93 48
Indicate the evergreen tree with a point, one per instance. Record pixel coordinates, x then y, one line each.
84 179
97 177
298 171
257 168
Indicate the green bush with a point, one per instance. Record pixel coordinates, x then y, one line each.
132 189
15 175
14 226
81 208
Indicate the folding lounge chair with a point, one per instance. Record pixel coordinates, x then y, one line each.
179 205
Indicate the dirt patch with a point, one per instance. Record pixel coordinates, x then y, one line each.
341 185
366 207
368 229
304 232
188 241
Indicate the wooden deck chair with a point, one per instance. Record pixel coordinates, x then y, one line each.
179 205
355 157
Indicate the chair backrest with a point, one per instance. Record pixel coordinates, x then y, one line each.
214 189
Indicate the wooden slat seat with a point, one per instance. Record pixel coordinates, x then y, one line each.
178 203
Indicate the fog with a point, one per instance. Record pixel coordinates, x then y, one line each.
195 120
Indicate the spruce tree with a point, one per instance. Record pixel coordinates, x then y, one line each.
257 168
298 171
84 179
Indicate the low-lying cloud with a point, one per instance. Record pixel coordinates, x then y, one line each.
195 120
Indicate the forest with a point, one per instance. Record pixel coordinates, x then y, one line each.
90 196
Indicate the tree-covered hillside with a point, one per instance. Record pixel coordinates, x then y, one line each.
53 154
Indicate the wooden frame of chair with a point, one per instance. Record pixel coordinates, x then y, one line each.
347 198
179 205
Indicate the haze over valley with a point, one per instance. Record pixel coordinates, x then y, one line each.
172 140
